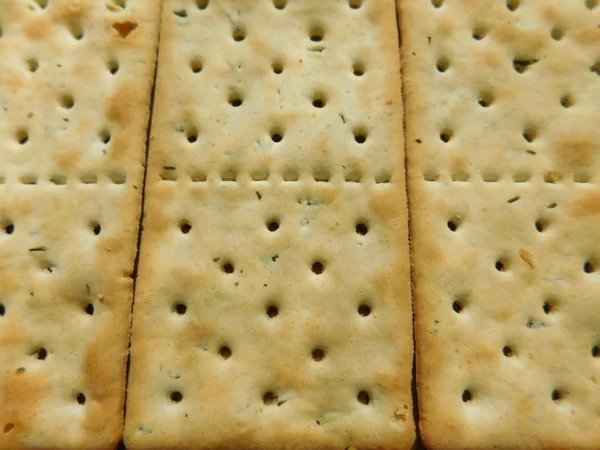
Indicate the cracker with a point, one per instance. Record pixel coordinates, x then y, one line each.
74 94
273 302
502 150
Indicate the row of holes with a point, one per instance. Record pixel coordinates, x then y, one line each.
272 225
61 180
503 265
271 310
548 307
271 398
277 133
551 177
557 395
33 66
486 98
169 173
520 65
9 228
22 135
197 66
541 225
446 135
203 4
513 5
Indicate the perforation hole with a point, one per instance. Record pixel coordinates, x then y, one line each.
185 227
272 311
591 4
541 225
512 5
318 268
76 30
360 135
446 135
291 174
179 308
235 99
318 354
22 136
40 353
9 427
567 101
362 228
228 268
530 134
508 351
557 33
81 398
9 228
437 3
316 33
355 4
319 100
467 396
225 352
120 3
113 66
479 32
272 225
549 307
176 396
104 136
521 177
96 228
280 4
501 265
358 68
89 178
589 267
239 34
67 101
454 223
118 177
276 135
442 64
2 310
431 175
192 134
363 397
486 99
269 398
196 65
89 309
557 395
277 66
32 64
522 64
364 310
458 306
596 351
59 180
42 3
581 178
29 180
202 4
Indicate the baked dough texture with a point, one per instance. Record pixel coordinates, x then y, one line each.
273 304
502 101
75 91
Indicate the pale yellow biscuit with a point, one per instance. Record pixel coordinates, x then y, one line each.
503 148
273 304
75 92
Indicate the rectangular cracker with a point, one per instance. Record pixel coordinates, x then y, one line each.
237 342
502 100
75 92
